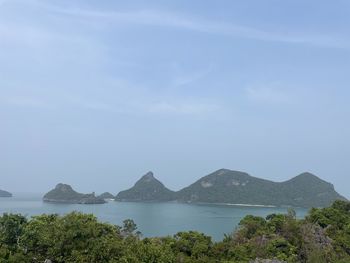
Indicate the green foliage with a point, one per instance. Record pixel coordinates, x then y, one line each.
73 237
336 222
323 237
192 244
11 228
252 225
281 249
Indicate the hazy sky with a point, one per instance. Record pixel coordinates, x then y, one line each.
97 93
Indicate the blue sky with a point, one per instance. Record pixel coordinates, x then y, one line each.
97 93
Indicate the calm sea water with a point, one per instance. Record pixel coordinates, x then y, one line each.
152 219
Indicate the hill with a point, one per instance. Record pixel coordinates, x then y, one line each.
226 186
148 188
5 194
64 193
308 190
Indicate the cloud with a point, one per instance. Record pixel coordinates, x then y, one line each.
161 18
186 78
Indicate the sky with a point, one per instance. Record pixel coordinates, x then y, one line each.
97 93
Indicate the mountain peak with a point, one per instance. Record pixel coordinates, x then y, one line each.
222 171
148 188
64 187
307 176
148 177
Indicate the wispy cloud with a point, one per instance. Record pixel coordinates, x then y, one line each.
188 78
161 18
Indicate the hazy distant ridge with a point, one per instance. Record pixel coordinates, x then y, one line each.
5 194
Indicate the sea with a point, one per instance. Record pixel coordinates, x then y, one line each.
152 219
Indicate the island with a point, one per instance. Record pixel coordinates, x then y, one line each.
64 193
230 187
147 189
5 194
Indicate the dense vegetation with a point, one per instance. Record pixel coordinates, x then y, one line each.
227 186
323 236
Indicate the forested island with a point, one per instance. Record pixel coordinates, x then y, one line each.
233 187
323 236
64 193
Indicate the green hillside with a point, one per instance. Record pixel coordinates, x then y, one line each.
226 186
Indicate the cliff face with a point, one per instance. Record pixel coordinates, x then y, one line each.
64 193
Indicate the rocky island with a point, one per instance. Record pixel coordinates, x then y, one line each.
233 187
5 194
64 193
